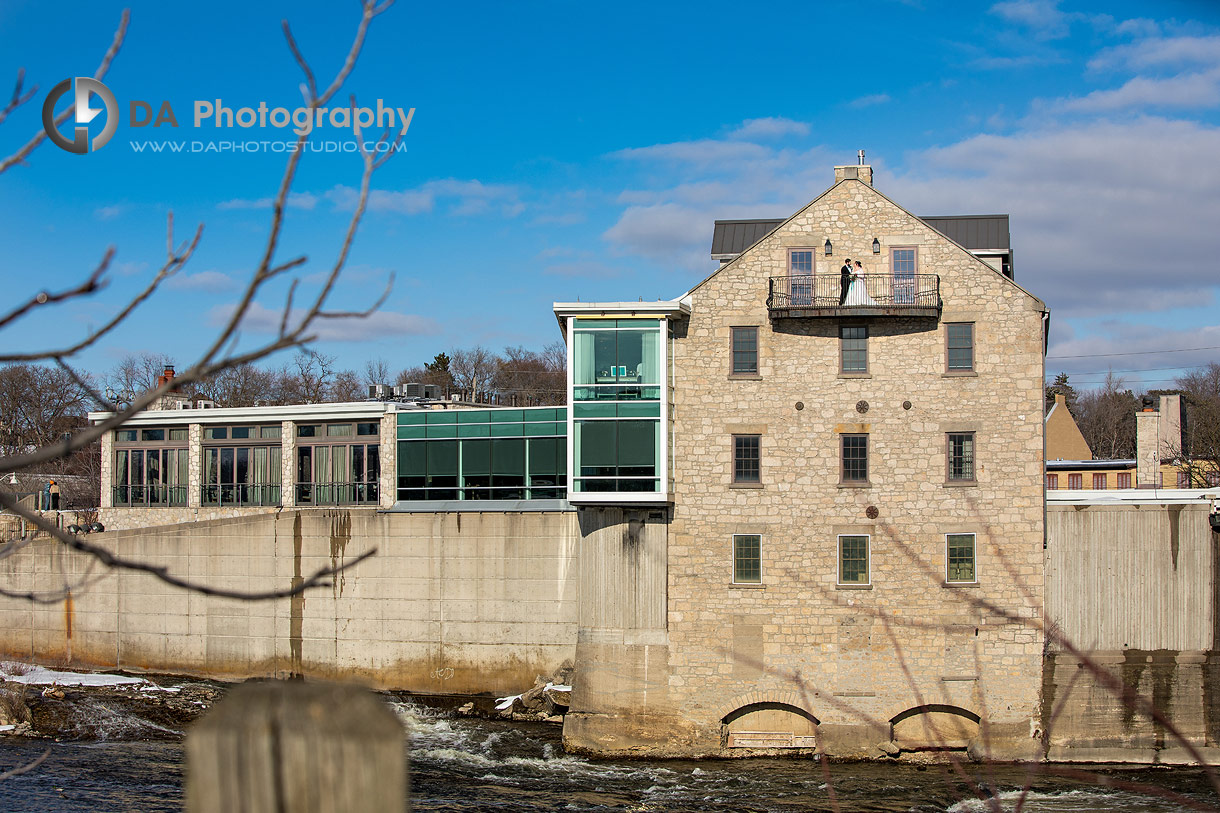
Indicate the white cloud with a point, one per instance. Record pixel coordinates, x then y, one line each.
378 325
700 153
1106 216
770 127
1042 17
296 200
108 212
207 281
1186 91
1156 52
871 99
667 232
1146 356
458 197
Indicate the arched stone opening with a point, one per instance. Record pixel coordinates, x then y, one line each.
934 727
769 725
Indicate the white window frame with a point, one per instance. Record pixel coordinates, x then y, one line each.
733 554
975 555
868 571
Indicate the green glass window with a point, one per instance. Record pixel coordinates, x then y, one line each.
178 434
959 557
125 435
747 559
152 434
853 560
616 359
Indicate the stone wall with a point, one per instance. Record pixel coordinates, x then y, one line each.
463 603
855 660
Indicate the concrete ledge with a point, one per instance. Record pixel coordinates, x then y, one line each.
1060 753
476 506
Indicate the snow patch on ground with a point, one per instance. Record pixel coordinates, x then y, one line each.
40 676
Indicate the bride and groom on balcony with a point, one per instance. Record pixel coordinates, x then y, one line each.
852 290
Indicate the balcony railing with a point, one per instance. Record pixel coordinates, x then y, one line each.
336 493
868 295
240 494
154 496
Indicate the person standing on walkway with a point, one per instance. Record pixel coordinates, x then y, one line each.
845 278
54 491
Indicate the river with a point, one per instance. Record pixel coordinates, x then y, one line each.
121 761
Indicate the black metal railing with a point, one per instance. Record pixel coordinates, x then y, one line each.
154 496
336 493
240 494
813 292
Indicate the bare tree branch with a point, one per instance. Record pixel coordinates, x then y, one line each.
18 97
89 286
26 768
102 69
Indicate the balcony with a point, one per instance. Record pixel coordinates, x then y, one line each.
814 295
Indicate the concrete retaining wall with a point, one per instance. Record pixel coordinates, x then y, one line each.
462 603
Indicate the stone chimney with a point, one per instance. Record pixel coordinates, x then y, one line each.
1169 428
1147 448
855 172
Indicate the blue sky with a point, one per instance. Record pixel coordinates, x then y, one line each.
575 150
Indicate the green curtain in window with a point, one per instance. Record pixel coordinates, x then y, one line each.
583 358
650 366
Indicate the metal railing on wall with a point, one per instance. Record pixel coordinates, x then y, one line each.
815 291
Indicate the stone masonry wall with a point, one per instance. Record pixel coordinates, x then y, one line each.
855 659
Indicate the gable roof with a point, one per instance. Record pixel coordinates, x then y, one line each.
975 232
725 265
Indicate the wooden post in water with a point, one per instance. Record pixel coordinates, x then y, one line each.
296 747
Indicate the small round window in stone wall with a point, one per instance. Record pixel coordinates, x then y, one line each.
906 404
871 512
861 407
800 405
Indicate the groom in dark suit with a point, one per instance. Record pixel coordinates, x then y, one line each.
844 281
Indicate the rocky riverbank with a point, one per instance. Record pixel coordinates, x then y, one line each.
60 705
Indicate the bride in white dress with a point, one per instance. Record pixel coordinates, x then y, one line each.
857 294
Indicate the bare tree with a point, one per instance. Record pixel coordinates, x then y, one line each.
531 378
1198 455
376 371
135 374
242 385
474 371
347 386
296 326
309 379
1106 418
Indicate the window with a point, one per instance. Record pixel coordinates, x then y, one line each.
1183 479
747 559
960 457
903 264
855 459
745 350
800 276
241 466
1099 481
853 560
959 558
150 467
853 349
1052 482
1076 481
959 347
1124 479
747 458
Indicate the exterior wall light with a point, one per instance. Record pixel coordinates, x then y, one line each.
829 248
876 246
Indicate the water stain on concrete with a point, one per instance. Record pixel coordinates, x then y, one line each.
297 602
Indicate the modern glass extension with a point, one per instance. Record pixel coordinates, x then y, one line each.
482 454
619 398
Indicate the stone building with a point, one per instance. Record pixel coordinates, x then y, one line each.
835 539
798 511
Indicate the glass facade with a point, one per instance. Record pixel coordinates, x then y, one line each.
337 464
482 454
617 379
241 465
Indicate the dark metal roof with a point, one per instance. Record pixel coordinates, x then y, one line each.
731 237
973 231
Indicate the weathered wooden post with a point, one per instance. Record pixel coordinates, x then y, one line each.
296 747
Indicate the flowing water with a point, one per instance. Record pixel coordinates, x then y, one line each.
120 760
